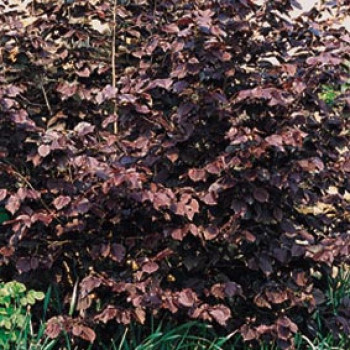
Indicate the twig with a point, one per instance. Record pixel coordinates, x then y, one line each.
313 347
155 7
29 102
113 62
45 97
33 8
123 338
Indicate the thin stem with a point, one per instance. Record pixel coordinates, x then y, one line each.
45 97
113 61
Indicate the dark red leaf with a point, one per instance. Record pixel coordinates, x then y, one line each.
13 204
118 252
192 208
82 206
150 267
61 202
178 234
265 264
346 166
171 28
53 328
22 119
109 313
248 333
85 72
84 128
209 199
27 264
220 313
3 194
261 195
44 150
127 98
232 289
66 89
286 328
7 251
274 140
109 92
217 290
140 315
276 296
187 298
210 233
197 174
90 283
162 83
84 332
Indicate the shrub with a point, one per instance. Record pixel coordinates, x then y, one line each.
175 158
15 303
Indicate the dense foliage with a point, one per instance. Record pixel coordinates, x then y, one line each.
176 157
